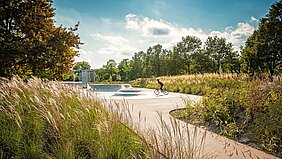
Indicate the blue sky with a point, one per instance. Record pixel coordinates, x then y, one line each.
115 29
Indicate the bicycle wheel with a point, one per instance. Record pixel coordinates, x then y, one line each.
165 92
157 91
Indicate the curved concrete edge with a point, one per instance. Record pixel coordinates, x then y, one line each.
232 148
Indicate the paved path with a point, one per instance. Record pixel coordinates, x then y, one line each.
151 107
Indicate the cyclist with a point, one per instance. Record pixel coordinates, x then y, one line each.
161 85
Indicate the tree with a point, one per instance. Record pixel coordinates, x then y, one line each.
174 61
102 74
251 63
153 55
201 62
136 65
232 62
30 43
218 50
124 69
79 66
111 69
188 46
262 52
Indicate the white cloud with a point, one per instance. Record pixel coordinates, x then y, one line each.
243 31
159 31
254 19
85 55
114 45
125 49
132 21
148 27
115 40
236 36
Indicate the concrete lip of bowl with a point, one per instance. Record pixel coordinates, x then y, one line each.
129 92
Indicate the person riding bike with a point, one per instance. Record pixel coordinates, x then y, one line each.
161 85
161 89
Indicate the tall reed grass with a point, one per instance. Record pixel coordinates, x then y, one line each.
49 120
167 139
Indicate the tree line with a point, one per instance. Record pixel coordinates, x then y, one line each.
261 55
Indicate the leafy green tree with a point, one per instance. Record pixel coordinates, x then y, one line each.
201 62
146 63
263 50
251 63
102 74
163 63
111 69
153 56
123 69
30 43
175 62
232 63
108 72
188 46
218 50
79 66
136 65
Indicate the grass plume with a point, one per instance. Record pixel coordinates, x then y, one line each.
49 120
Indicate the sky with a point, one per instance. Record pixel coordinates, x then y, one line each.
116 29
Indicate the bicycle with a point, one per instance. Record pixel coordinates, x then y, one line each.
157 91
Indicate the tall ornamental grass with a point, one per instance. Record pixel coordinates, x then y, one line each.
49 120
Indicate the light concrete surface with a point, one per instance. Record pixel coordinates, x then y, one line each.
151 107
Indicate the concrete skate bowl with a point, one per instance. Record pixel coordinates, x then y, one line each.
109 87
128 92
123 90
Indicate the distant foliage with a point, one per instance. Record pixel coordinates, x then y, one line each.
263 50
31 45
77 69
108 72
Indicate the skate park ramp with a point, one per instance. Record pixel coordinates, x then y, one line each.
109 87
